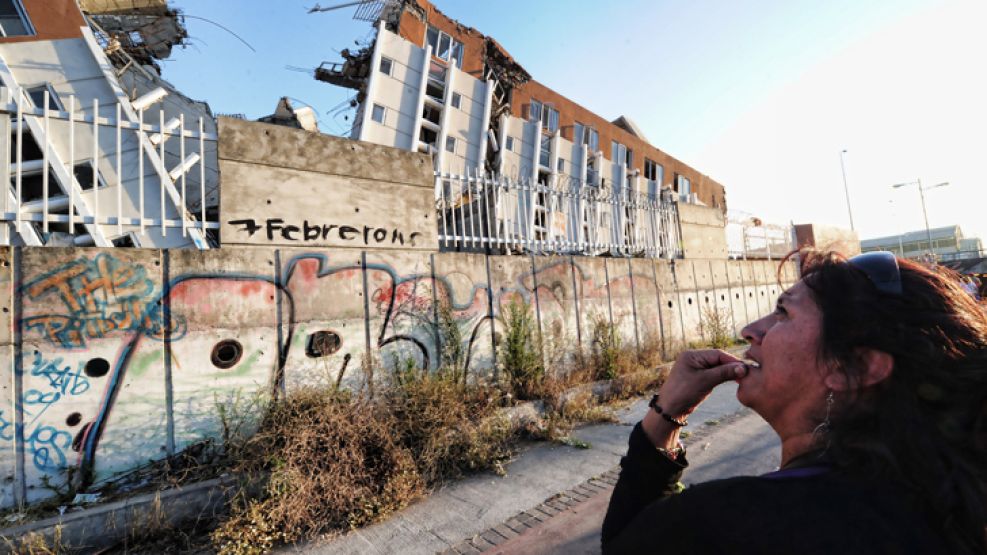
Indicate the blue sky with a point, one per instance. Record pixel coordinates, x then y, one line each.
760 95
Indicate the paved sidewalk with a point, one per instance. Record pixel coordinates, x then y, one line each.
465 515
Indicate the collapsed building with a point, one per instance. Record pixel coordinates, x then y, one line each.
102 150
432 84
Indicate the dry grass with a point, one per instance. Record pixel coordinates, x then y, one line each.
327 461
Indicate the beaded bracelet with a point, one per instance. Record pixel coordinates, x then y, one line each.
654 404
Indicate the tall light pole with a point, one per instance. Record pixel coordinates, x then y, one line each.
921 194
846 190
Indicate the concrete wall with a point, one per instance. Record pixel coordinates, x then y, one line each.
118 357
283 186
702 231
827 238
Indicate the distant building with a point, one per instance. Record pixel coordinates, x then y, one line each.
948 243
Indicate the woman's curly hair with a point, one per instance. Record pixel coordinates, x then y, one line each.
926 425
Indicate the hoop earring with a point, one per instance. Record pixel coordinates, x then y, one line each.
824 426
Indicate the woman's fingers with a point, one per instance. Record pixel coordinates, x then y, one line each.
695 375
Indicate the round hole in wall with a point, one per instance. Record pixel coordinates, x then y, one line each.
762 293
322 343
722 298
737 294
96 367
226 353
707 299
690 300
750 295
73 419
669 304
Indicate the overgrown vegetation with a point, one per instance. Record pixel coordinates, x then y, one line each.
330 461
717 327
520 352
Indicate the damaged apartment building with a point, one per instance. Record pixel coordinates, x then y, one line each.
102 151
518 165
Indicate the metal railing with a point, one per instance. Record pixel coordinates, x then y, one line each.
496 213
749 237
92 172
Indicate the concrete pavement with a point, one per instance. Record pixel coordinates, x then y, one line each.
487 512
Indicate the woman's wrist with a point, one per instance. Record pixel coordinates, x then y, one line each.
661 433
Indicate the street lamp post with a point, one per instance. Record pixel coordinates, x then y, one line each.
921 194
846 190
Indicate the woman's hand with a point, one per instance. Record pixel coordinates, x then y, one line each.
693 378
690 382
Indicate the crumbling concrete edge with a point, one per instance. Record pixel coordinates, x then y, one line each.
111 524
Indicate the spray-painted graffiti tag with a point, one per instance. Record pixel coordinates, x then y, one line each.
100 296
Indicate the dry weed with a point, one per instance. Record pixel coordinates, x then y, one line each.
325 462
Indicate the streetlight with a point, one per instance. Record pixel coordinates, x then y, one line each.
921 195
846 189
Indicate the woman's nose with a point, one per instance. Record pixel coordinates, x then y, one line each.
752 332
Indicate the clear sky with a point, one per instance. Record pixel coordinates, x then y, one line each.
760 95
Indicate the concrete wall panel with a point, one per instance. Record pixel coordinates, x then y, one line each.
401 308
649 313
461 284
512 282
323 317
591 290
225 351
669 297
557 306
622 302
92 377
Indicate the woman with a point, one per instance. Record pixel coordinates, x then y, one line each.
873 372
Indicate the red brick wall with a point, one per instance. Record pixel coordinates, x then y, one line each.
52 20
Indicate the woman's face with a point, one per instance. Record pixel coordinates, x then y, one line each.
787 388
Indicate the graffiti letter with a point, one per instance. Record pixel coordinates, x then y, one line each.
310 232
288 230
344 230
272 224
249 225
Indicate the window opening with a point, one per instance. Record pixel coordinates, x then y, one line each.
378 114
457 100
13 19
451 144
386 66
37 96
444 47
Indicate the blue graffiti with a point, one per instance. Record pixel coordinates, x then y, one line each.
6 428
62 382
47 446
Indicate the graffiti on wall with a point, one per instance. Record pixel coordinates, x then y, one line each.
105 328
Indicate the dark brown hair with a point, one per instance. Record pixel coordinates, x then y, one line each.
926 425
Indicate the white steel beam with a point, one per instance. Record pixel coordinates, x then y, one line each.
57 166
195 232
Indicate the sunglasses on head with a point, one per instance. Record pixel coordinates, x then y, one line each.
881 267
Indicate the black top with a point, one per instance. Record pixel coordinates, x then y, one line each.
805 509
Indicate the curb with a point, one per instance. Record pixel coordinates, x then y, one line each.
108 525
